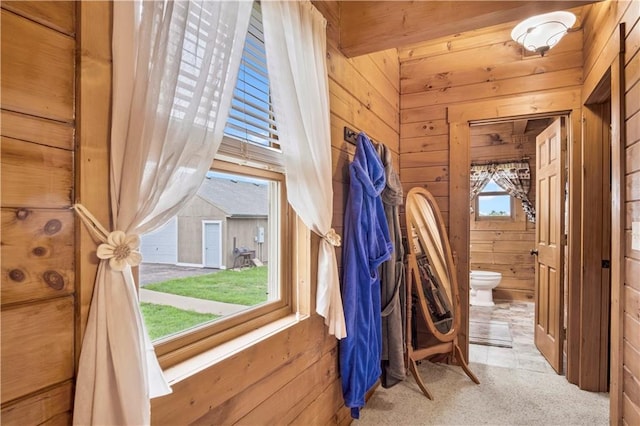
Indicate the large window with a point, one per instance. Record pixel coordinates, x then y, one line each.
215 271
493 203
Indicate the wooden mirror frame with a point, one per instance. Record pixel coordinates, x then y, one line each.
454 297
447 343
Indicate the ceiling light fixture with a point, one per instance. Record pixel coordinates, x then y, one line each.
540 33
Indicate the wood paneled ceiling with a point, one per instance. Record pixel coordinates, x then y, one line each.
509 131
371 26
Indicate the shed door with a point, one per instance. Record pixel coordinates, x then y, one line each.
549 334
161 245
212 245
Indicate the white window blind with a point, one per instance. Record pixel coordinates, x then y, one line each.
250 134
190 51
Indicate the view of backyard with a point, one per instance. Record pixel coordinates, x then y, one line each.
162 320
241 287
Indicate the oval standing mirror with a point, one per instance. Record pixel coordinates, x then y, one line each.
432 286
436 285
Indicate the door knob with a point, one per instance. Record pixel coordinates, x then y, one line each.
533 252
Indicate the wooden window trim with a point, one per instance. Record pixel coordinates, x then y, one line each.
178 349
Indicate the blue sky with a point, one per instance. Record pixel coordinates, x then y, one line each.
489 203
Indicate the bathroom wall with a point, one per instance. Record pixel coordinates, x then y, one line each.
503 245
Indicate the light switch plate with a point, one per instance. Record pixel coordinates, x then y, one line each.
635 236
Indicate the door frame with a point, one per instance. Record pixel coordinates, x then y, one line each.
611 60
596 239
565 102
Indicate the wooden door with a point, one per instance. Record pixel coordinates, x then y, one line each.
550 206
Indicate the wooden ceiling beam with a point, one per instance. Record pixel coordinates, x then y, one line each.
520 126
371 26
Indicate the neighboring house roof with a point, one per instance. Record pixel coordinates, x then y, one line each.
236 198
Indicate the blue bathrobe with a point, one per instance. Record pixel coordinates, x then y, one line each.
366 245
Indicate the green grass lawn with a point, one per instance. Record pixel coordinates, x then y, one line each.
245 287
164 320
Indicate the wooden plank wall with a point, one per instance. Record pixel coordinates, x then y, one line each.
481 66
473 66
503 246
600 30
38 279
631 329
293 376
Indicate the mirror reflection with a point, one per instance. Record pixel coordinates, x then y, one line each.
427 245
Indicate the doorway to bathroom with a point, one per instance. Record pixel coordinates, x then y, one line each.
581 349
502 235
502 227
532 257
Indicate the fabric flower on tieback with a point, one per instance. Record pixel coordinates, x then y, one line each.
120 249
333 238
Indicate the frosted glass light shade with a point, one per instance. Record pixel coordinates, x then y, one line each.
540 33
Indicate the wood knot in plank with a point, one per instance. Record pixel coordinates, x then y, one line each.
39 251
53 280
52 226
22 214
16 275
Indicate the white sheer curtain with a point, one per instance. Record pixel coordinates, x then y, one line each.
295 41
174 70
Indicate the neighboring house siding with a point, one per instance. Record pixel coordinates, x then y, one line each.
236 228
245 231
190 229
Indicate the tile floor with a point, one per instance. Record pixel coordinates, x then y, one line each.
524 354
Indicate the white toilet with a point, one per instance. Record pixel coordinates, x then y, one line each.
482 283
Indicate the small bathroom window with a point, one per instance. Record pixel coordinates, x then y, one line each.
494 203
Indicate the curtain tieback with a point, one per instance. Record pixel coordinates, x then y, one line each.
117 247
332 238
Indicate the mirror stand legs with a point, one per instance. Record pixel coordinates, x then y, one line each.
463 363
414 370
457 354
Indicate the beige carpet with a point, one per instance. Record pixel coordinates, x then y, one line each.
490 333
504 397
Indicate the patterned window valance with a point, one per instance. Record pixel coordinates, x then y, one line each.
480 176
513 177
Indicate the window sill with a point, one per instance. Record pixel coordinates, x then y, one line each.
194 365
